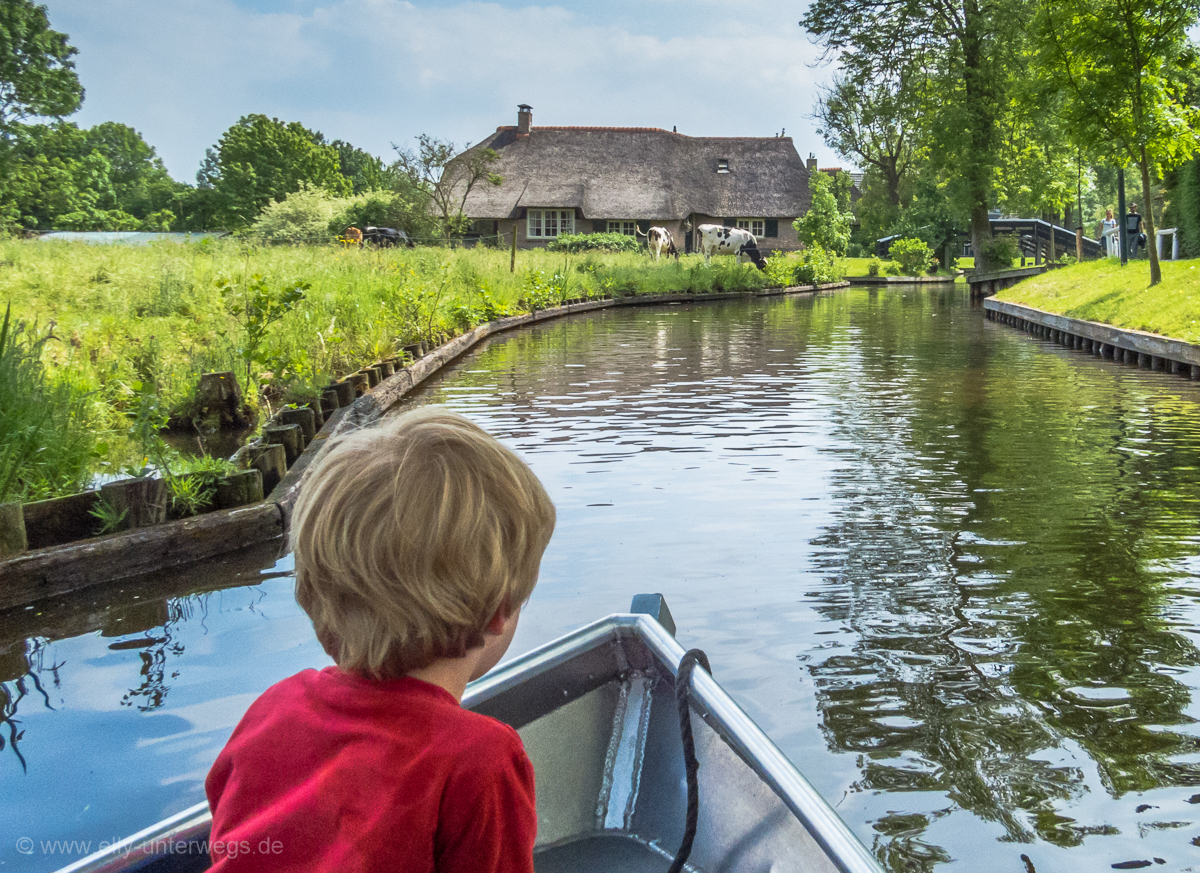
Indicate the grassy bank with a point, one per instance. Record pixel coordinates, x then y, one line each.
133 328
1104 291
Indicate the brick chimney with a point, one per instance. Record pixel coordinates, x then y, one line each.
812 163
524 118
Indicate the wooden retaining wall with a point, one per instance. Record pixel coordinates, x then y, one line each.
1134 347
986 284
47 572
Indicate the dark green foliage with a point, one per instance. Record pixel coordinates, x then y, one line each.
594 242
261 159
1002 250
104 178
1183 207
365 171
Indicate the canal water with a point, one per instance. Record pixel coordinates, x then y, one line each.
950 569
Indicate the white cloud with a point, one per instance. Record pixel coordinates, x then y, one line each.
375 72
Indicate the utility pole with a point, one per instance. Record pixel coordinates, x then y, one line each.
1124 234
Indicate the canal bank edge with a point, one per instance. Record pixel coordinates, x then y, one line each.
43 573
1147 350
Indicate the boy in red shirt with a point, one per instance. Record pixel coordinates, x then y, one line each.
416 543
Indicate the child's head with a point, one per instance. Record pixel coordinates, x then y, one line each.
410 536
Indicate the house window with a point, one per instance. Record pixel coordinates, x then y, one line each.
547 223
756 226
723 165
629 228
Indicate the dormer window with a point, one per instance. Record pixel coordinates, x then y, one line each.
723 165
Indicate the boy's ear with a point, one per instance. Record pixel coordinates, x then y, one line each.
495 624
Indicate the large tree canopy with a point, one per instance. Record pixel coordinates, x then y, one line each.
260 159
967 50
37 75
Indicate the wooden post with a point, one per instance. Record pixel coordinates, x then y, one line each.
512 258
12 530
1079 243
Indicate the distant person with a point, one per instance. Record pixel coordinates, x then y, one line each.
1133 230
1111 235
416 542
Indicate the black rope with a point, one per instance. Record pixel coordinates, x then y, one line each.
683 680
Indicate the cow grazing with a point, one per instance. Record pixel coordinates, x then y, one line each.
718 240
659 241
386 237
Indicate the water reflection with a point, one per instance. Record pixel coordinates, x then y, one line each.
948 568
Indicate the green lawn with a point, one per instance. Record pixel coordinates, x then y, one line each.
1104 291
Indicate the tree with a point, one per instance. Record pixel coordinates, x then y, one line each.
261 159
871 123
105 178
37 75
1125 67
967 49
827 222
365 171
448 176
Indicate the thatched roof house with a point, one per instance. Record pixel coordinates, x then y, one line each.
604 179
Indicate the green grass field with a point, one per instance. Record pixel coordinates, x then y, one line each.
133 328
1105 291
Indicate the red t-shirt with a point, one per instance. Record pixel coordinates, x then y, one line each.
329 771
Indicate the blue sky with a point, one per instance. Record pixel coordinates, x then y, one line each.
377 72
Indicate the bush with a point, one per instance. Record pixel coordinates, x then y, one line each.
873 266
892 269
1002 250
781 271
594 242
817 267
302 217
912 256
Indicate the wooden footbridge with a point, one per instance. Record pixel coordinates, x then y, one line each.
1045 241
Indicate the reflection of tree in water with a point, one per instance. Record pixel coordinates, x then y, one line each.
159 621
1001 553
20 677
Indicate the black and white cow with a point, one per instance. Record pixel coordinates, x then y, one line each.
386 236
659 241
717 240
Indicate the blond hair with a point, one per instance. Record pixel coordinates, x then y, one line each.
410 536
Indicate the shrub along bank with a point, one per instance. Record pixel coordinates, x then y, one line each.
1103 291
131 329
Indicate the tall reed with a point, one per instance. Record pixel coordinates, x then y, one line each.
45 443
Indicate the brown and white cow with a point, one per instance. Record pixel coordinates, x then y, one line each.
717 240
659 241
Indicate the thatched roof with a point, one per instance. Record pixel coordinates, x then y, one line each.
642 172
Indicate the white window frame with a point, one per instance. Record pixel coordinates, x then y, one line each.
628 228
549 223
757 226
